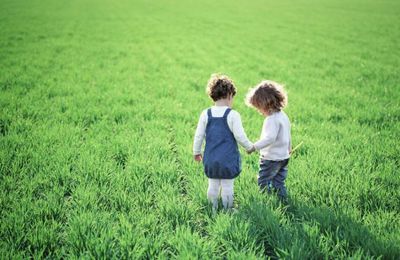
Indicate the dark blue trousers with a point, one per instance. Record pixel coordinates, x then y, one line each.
273 172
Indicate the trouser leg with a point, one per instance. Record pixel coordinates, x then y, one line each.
278 181
268 170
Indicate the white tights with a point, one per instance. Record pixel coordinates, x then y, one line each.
226 186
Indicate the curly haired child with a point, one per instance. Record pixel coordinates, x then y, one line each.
269 98
222 129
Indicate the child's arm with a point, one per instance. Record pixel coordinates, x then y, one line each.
239 133
271 128
199 137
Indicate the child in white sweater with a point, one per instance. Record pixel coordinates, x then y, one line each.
222 128
269 98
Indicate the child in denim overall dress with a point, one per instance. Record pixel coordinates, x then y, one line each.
222 128
269 98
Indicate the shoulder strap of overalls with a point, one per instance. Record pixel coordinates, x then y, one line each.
209 113
227 112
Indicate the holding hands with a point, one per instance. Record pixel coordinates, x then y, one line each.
251 150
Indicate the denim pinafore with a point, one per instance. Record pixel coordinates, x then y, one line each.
221 154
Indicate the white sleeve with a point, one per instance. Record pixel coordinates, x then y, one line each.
238 131
271 128
200 133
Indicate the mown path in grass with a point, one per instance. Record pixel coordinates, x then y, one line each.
100 99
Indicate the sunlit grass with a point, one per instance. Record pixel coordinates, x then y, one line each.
99 103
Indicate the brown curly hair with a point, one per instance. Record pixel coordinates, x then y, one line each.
268 96
220 86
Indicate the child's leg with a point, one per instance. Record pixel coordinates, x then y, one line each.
268 170
279 180
227 193
213 192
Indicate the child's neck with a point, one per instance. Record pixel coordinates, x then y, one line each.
222 103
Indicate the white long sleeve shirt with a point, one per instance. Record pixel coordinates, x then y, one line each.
234 124
274 143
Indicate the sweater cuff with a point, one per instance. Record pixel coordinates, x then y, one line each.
196 152
249 145
257 146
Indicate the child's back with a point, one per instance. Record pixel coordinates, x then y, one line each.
275 137
233 121
221 154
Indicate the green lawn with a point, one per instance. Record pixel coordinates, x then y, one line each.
99 103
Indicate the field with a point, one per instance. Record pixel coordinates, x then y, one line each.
100 100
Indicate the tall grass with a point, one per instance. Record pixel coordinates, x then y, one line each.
99 102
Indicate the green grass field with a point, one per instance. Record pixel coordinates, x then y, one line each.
100 100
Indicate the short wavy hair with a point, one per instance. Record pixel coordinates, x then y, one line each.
268 96
220 86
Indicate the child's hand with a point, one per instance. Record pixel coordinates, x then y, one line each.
252 149
198 157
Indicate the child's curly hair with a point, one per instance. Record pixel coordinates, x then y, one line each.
220 86
268 96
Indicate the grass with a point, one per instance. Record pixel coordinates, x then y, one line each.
99 103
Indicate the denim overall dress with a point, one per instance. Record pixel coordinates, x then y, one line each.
221 154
